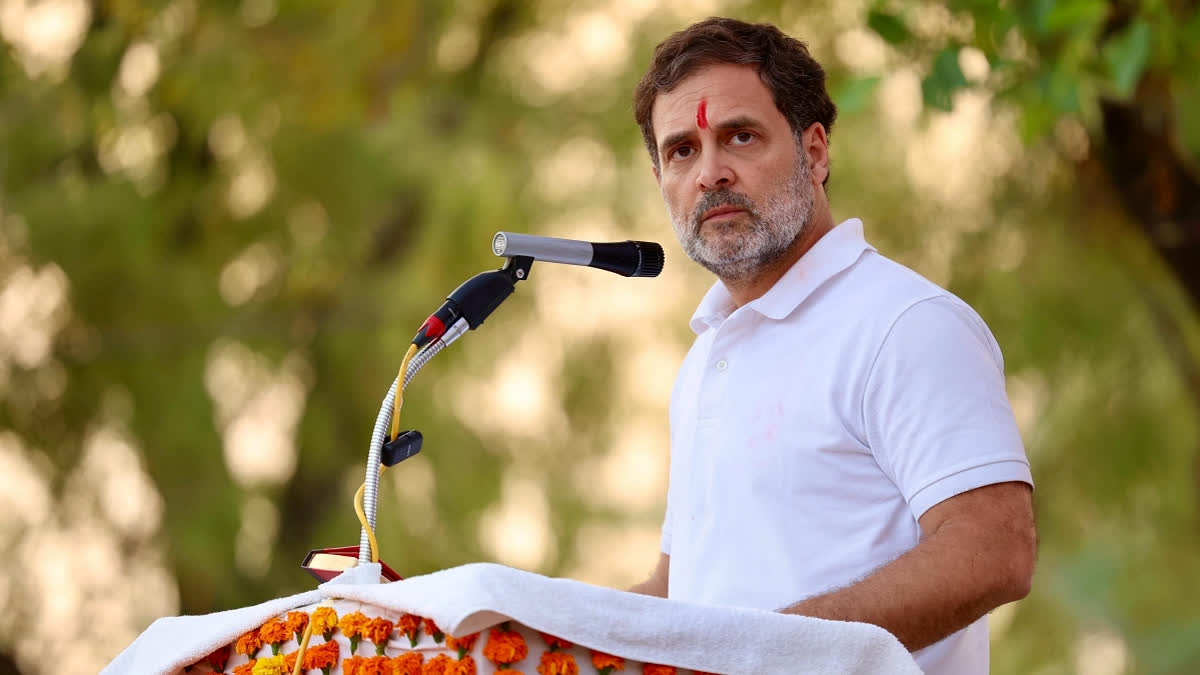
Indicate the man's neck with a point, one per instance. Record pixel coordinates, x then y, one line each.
744 291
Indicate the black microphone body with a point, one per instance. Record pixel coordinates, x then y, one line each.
627 258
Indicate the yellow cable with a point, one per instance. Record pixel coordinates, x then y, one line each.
298 668
397 404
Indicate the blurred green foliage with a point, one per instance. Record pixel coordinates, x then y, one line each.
287 189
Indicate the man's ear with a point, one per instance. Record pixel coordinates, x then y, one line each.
816 147
657 175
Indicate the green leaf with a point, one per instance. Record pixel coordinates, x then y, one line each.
944 79
1127 54
889 27
853 96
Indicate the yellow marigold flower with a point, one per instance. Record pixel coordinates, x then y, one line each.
324 621
652 669
438 665
557 663
464 666
505 646
378 630
271 666
600 661
408 663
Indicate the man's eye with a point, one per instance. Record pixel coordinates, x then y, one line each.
682 152
742 138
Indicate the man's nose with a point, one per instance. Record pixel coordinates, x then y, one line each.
715 172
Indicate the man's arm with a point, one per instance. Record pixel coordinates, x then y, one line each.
657 583
976 553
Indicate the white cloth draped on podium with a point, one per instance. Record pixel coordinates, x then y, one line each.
638 628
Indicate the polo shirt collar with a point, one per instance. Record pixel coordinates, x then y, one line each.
834 252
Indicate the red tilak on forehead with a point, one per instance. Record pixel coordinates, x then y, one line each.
701 114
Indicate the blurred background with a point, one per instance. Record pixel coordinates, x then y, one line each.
221 223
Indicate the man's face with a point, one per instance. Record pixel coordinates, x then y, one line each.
736 185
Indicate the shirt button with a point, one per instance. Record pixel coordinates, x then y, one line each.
722 364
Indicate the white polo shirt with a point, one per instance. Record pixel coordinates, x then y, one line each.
812 427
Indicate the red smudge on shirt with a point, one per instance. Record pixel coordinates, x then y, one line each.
702 114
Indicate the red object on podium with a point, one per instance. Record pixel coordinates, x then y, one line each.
344 558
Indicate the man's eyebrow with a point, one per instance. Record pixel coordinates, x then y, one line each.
741 122
675 139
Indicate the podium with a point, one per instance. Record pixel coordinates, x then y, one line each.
495 619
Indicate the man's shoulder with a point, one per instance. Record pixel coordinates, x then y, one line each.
887 286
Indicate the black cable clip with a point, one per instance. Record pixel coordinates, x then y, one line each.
407 444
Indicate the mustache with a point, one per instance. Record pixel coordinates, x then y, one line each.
722 197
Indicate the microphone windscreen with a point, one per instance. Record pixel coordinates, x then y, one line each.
652 259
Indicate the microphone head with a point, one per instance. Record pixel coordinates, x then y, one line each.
650 259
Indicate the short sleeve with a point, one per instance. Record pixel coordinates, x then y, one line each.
935 411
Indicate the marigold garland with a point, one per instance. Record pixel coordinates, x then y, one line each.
506 671
438 665
654 669
352 665
378 630
352 626
606 663
463 644
248 643
410 625
323 656
269 666
555 643
274 632
296 623
505 646
408 663
431 628
245 668
325 621
218 658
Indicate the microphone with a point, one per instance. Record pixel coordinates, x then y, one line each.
627 258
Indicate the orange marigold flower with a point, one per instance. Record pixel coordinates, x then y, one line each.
289 662
409 625
506 671
324 621
274 632
431 628
652 669
555 643
218 658
352 626
378 631
438 665
353 665
600 661
505 646
248 643
323 656
375 665
463 644
408 663
296 623
464 666
557 663
245 668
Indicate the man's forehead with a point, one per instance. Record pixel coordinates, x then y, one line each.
715 91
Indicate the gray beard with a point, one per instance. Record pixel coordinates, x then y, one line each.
763 240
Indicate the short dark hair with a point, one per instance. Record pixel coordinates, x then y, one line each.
795 79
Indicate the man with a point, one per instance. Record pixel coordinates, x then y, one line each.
841 443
